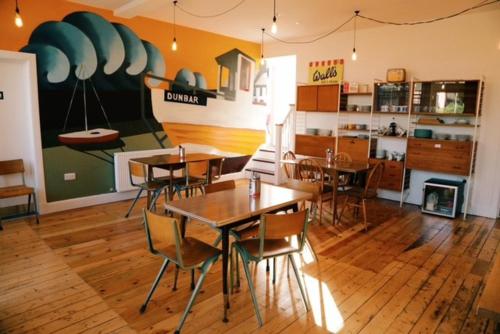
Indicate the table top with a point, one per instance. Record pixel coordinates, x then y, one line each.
339 166
174 159
229 206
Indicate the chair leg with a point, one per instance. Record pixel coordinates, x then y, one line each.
155 285
154 198
302 291
274 270
238 283
217 240
320 211
267 265
37 215
196 291
133 203
313 252
29 203
192 279
343 208
252 291
176 277
364 215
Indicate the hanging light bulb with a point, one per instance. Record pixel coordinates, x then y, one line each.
354 55
174 42
18 19
274 27
262 61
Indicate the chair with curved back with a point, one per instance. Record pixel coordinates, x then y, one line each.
310 171
164 240
290 169
362 194
344 179
275 239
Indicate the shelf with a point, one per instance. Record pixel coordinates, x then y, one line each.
420 113
442 140
390 112
305 134
355 112
354 130
358 94
392 137
448 125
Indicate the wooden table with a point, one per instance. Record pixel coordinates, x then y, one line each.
333 169
230 208
173 162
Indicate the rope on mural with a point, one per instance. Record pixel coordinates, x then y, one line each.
479 5
211 15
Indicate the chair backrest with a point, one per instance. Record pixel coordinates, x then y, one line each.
311 171
220 186
12 167
279 226
216 168
137 170
342 156
373 180
163 231
289 168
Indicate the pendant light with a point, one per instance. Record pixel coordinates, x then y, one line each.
354 56
174 42
274 27
18 19
262 61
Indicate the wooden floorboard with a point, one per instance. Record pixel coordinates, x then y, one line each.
88 270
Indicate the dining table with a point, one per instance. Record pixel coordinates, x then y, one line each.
334 169
172 162
227 209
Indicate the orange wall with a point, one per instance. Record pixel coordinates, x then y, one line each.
196 48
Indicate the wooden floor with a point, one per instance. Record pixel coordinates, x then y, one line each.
88 269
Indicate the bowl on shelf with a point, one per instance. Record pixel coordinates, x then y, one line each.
380 154
442 136
463 137
423 133
324 132
462 121
311 131
352 107
361 126
365 108
363 136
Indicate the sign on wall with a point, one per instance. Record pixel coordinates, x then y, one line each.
187 98
326 71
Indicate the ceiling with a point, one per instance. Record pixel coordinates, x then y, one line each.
297 19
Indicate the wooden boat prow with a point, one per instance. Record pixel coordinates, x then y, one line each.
91 136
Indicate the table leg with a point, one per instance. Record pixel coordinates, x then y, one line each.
225 262
335 188
183 226
171 184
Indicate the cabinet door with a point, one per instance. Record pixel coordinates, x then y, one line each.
328 98
356 148
314 146
307 98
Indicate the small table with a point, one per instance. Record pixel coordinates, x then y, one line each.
230 208
333 169
172 162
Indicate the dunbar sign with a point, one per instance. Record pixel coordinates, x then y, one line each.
196 99
326 71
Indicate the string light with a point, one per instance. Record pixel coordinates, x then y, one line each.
174 42
262 61
354 55
203 16
274 27
18 19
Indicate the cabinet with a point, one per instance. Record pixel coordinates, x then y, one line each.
324 98
315 146
357 148
394 175
443 156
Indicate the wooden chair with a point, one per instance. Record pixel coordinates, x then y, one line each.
344 179
164 240
275 234
289 168
310 171
139 178
13 167
197 176
360 195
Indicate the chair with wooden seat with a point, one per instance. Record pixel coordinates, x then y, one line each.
290 169
357 196
197 176
310 171
164 240
275 239
12 168
139 178
344 179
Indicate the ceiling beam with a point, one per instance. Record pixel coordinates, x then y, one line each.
129 9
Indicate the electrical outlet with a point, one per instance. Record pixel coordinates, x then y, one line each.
69 176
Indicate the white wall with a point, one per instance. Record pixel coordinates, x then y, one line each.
465 47
19 121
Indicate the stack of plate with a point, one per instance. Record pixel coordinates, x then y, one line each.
312 132
324 132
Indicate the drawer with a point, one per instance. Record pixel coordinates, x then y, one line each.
437 165
441 145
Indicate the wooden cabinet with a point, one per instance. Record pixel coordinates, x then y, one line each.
357 148
315 146
392 179
324 98
443 156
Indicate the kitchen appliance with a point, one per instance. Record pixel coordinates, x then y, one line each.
443 197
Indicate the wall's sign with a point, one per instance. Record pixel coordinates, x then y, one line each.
326 71
196 99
